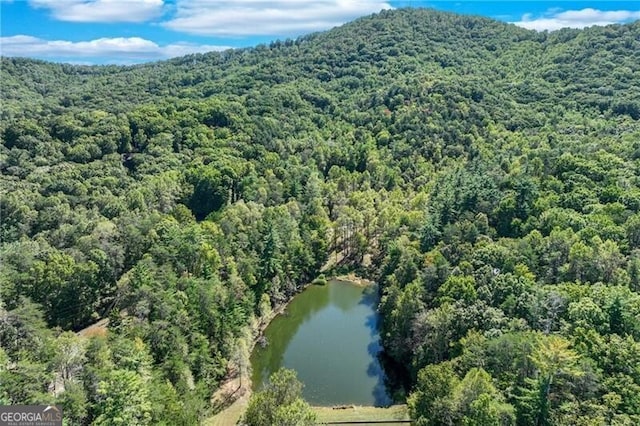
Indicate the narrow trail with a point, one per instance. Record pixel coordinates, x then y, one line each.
237 399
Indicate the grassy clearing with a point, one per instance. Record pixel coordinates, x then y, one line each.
230 415
359 414
233 399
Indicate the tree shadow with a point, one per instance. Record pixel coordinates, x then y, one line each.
381 391
370 297
389 384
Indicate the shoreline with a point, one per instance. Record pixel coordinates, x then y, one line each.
263 323
352 278
238 400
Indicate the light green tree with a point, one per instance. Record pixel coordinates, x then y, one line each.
552 358
280 403
124 400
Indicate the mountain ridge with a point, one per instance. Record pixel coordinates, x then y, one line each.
340 51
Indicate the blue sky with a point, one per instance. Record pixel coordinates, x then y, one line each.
133 31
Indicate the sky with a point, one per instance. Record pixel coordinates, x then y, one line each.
135 31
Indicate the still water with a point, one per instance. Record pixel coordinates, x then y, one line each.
329 335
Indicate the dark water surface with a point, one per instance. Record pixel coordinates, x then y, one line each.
329 335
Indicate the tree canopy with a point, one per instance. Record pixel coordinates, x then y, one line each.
487 176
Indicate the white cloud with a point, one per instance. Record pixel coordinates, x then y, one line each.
113 50
555 19
260 17
102 10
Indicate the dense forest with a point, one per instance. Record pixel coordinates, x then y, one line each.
489 174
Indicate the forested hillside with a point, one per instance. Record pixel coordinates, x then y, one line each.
491 173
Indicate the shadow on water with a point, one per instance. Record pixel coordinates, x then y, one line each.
380 390
370 296
371 299
330 335
397 378
393 379
372 322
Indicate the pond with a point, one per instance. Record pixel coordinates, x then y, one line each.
329 335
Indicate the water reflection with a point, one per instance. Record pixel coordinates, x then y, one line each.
268 359
330 337
338 299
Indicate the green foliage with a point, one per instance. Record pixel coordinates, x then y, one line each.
320 280
432 394
485 175
209 192
280 402
442 398
123 399
457 288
